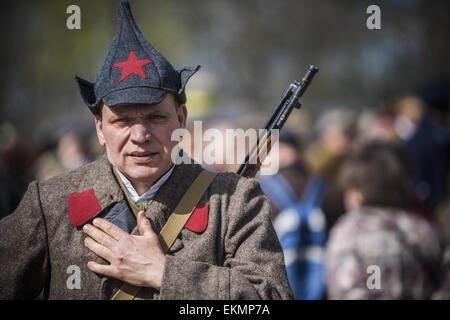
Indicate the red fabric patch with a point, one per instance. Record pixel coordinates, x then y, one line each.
82 207
198 220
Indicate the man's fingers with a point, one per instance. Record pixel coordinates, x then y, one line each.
110 228
104 269
99 236
144 225
98 249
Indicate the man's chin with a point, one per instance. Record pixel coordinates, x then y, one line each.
146 173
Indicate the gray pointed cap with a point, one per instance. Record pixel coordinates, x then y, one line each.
134 72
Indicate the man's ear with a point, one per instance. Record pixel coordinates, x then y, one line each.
182 115
99 128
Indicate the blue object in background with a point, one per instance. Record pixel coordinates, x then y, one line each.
301 229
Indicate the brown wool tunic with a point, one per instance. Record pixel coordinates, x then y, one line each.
238 256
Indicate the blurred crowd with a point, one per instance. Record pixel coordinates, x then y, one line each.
362 208
361 203
25 160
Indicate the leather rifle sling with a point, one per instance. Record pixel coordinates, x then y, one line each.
174 224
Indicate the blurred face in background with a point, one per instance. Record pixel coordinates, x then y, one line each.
138 138
375 175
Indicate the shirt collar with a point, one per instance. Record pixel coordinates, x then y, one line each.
150 193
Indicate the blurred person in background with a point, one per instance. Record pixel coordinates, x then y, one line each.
289 183
436 96
336 128
375 126
17 158
299 221
442 217
379 231
427 144
70 150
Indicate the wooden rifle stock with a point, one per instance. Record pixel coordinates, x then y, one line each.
288 102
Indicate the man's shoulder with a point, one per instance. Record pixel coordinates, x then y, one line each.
231 182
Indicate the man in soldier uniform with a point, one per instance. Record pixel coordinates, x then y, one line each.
104 218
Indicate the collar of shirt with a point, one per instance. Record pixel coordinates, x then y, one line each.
150 193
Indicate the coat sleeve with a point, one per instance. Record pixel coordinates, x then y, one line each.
253 265
24 262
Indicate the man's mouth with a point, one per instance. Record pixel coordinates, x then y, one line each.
143 157
142 154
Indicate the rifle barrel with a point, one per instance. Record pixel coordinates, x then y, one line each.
279 116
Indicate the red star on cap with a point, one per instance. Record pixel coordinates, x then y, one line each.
132 66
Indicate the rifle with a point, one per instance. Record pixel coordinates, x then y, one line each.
288 102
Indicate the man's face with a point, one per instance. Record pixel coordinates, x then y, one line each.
138 138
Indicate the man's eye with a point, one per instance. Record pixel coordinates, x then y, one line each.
122 120
156 117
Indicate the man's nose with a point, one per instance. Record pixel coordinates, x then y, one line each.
140 133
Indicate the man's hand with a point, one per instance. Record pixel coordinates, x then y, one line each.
137 260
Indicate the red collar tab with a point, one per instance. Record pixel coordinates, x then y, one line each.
198 220
82 207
